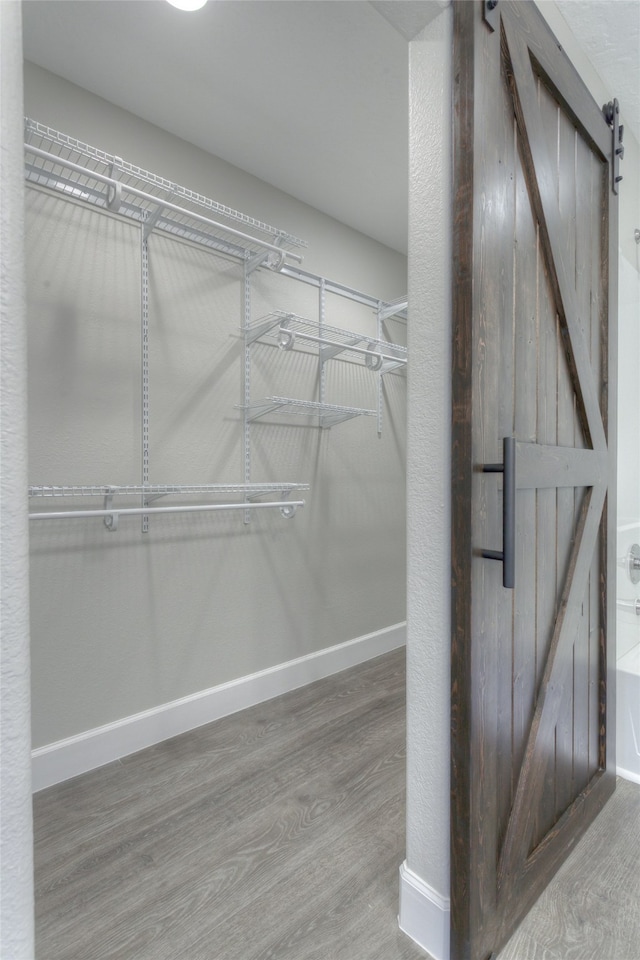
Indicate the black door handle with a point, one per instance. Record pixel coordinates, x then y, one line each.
508 553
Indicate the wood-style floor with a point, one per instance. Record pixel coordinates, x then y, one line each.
275 833
591 908
278 833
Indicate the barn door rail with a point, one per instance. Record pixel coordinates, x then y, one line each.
507 556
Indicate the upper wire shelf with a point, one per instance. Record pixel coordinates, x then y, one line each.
151 491
286 329
83 172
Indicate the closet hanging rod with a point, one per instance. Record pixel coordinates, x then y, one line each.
163 204
630 606
287 507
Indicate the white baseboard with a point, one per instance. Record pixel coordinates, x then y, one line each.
628 774
424 914
68 758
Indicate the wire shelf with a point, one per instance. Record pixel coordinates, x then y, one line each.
394 310
286 329
153 490
78 170
327 414
248 499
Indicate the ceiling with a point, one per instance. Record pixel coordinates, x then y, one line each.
308 95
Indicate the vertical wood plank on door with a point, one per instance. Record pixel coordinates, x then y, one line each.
547 428
525 428
599 186
503 360
561 156
566 438
583 192
581 640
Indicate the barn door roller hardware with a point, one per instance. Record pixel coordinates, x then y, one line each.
611 113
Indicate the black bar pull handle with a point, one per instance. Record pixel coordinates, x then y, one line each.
508 553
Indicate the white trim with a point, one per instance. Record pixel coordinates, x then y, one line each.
424 914
68 758
628 775
626 527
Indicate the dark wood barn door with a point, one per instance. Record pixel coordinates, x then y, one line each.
535 240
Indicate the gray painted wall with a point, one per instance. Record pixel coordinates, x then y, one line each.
16 832
122 622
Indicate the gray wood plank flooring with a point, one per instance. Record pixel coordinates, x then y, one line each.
591 909
277 834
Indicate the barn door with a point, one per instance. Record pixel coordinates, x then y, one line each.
535 235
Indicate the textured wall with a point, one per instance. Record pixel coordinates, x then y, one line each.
629 396
16 860
429 456
123 622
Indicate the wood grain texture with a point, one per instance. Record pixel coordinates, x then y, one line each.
525 400
526 363
274 833
591 909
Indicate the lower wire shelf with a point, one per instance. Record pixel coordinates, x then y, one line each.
250 498
327 414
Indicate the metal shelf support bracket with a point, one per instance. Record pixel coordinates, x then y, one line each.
111 519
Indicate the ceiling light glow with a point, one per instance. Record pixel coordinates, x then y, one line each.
187 4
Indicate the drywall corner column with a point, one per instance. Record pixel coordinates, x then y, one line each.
424 877
16 831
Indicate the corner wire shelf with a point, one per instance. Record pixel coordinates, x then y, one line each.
79 171
286 329
249 492
396 309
